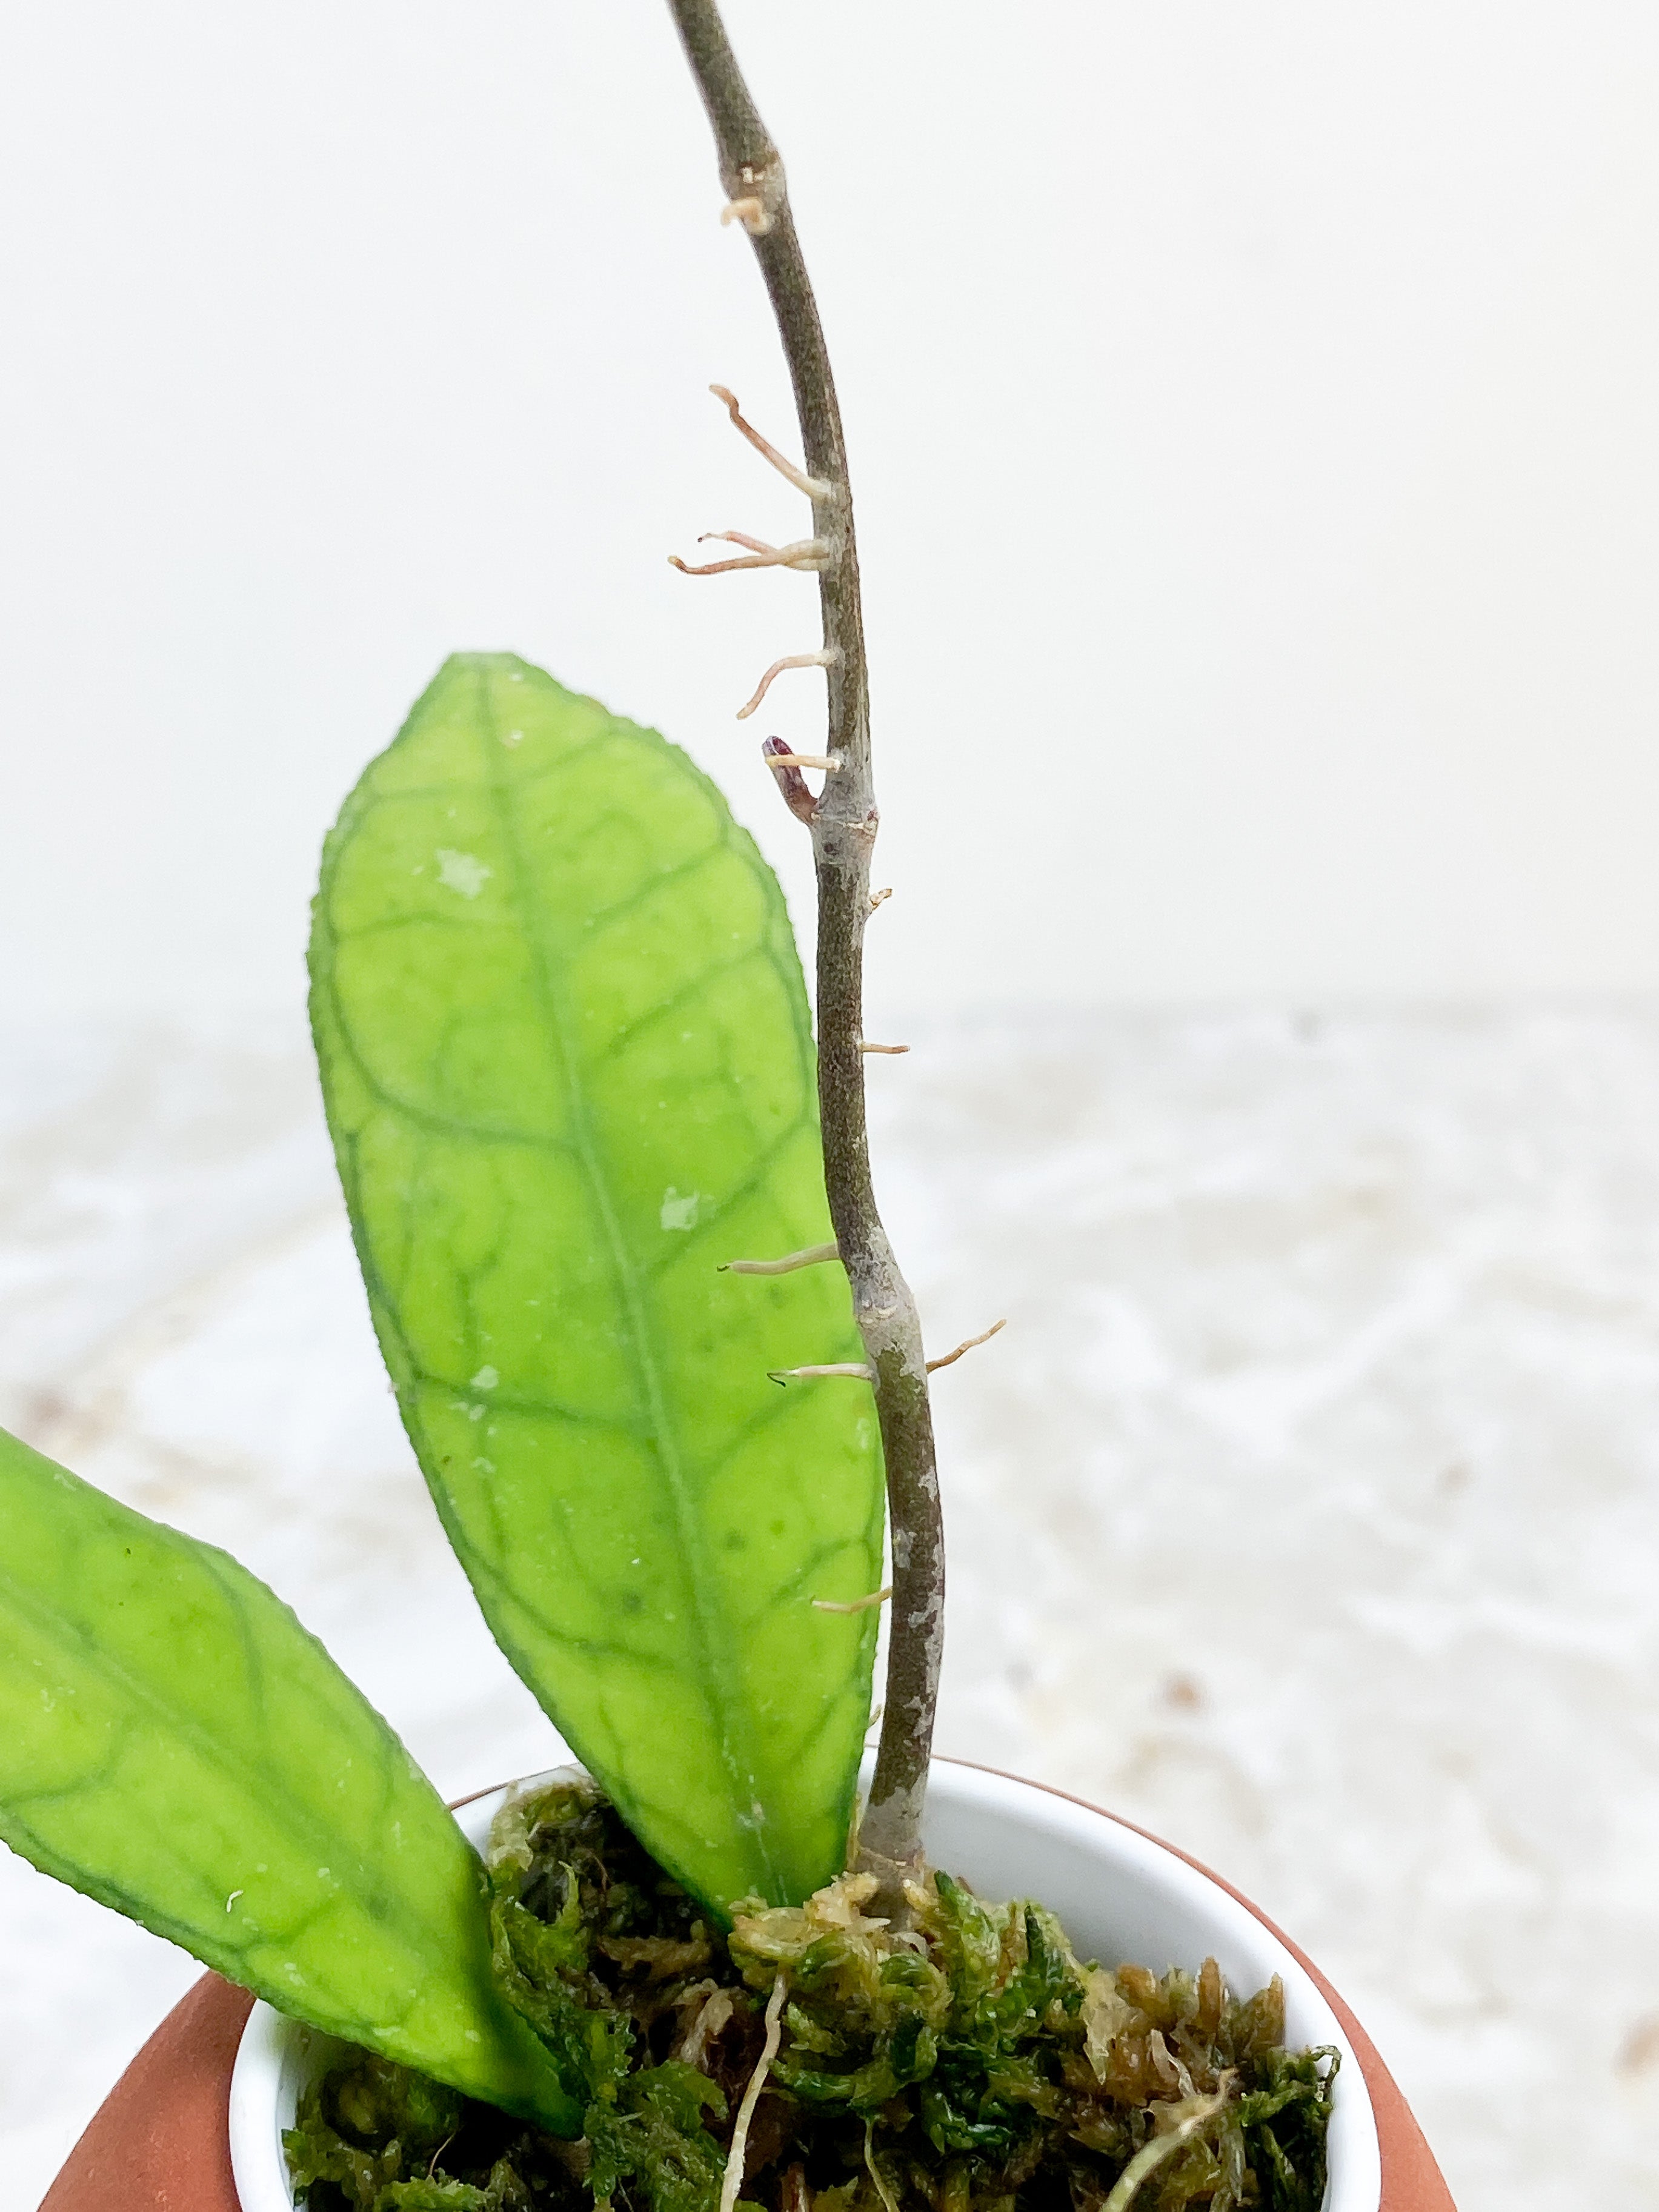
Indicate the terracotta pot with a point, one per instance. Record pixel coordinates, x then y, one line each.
161 2142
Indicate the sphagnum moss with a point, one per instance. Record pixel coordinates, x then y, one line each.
967 2063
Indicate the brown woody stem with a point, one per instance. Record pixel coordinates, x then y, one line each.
843 825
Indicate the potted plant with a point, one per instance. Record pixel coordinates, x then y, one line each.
614 1210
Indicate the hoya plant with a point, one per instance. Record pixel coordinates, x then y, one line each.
609 1186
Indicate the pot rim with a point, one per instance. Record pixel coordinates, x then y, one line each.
274 2050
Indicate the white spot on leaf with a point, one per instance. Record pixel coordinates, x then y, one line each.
679 1213
462 871
486 1378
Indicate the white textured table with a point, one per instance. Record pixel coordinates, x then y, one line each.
1307 1511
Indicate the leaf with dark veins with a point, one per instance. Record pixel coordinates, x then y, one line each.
569 1067
173 1743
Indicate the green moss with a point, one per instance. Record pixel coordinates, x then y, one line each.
970 2064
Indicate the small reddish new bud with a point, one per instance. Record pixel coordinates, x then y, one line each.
791 782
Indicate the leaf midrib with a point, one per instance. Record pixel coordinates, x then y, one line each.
721 1699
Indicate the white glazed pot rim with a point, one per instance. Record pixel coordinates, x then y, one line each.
1119 1893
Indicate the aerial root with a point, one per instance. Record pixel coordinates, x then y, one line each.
733 2179
751 212
950 1357
857 1370
854 1368
864 1046
853 1604
809 1258
1151 2155
881 2188
815 487
789 660
880 898
805 553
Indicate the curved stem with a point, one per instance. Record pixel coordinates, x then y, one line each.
843 824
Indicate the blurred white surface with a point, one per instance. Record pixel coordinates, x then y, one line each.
1307 1510
1251 411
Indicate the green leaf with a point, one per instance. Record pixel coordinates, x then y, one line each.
173 1743
569 1068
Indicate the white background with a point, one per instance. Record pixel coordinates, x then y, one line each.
1253 414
